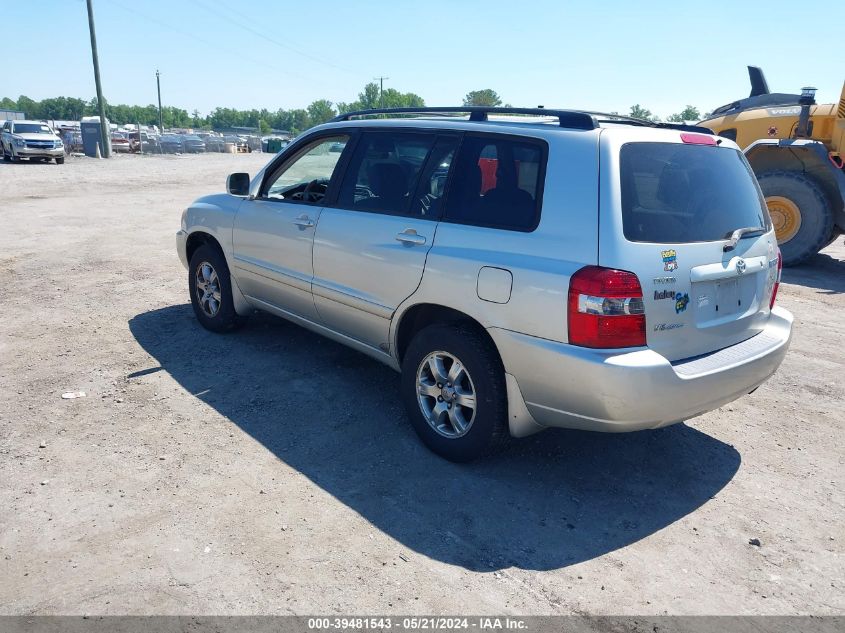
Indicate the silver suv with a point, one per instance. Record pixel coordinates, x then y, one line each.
522 268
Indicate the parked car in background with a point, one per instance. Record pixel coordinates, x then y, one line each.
72 140
215 144
193 144
138 142
32 140
171 144
152 145
253 143
580 270
120 142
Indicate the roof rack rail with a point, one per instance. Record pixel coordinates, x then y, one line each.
630 120
574 119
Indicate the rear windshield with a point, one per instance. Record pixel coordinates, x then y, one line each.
675 193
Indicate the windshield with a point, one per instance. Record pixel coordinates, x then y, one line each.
677 193
31 128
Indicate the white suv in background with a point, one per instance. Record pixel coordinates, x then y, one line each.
522 268
33 140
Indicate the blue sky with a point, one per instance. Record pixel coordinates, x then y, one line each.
279 54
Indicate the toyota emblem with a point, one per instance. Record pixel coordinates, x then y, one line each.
740 267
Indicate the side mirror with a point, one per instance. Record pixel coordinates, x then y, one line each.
238 184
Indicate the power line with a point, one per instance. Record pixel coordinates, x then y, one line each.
279 43
215 45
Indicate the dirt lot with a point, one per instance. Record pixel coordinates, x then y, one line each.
272 471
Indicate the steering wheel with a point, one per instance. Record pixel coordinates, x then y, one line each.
309 195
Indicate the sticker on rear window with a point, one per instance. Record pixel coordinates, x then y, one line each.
681 302
670 260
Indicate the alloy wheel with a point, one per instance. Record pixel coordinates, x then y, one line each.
446 394
208 288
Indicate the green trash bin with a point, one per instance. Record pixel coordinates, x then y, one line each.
274 145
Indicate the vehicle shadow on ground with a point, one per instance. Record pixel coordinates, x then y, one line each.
821 271
552 500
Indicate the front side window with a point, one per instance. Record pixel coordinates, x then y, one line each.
497 183
306 178
384 172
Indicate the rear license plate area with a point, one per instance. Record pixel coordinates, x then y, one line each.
728 299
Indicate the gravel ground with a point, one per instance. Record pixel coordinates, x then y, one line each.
273 471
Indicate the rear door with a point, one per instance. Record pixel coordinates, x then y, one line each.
370 247
668 211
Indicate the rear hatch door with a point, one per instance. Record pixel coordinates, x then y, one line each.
671 202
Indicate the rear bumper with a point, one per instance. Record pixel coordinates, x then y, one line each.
572 387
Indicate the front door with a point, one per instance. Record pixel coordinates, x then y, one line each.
370 247
274 233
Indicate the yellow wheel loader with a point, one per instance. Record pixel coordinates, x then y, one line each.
796 149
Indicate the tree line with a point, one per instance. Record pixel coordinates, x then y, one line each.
294 121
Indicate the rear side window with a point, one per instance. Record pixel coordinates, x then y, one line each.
497 182
677 193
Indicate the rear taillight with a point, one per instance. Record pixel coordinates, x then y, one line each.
777 281
606 309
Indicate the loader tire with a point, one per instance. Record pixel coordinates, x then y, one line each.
801 213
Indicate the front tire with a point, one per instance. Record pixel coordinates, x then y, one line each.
60 160
453 389
800 211
210 286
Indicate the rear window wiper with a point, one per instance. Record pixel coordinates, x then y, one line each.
739 234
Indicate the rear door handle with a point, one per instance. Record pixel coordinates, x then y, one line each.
410 237
304 222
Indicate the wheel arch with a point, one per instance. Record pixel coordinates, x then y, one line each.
198 238
415 317
418 316
807 157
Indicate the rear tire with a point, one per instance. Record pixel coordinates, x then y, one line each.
800 211
471 418
210 287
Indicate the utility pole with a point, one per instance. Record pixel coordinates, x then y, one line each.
381 90
160 123
104 129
